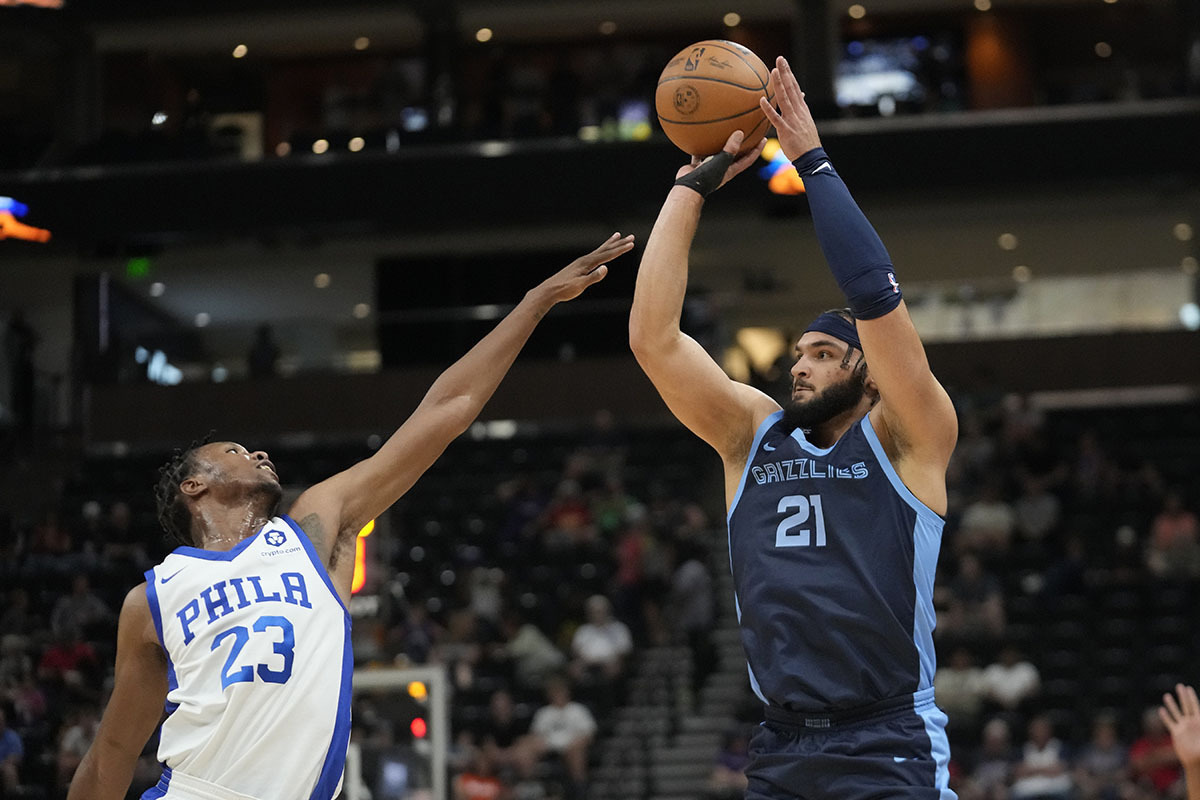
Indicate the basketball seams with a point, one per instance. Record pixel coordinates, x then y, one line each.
664 81
719 43
752 109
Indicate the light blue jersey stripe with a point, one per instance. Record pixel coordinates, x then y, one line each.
927 540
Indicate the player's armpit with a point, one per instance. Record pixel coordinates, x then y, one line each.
134 710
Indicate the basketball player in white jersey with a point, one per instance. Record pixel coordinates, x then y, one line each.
242 635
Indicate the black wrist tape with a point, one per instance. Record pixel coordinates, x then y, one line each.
706 178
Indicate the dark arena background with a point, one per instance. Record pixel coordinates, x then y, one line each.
280 221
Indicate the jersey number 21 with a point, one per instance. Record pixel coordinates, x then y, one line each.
796 529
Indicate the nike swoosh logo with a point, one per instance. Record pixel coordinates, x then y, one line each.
824 165
899 759
172 575
768 447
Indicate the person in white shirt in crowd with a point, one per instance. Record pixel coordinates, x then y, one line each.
600 645
1011 680
1043 773
960 691
562 727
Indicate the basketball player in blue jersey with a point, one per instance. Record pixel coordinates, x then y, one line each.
242 635
835 501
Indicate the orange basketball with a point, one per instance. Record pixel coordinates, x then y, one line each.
709 90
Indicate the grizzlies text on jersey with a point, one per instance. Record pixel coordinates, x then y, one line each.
259 668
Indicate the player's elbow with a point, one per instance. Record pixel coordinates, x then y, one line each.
646 340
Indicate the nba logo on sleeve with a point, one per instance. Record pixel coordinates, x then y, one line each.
275 538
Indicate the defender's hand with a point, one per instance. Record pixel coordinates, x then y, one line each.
707 175
569 282
1183 721
793 121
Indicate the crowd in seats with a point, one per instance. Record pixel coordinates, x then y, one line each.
535 568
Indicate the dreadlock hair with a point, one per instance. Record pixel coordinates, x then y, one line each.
173 514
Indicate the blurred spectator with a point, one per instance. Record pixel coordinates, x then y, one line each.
567 522
1036 511
69 665
461 648
15 662
484 585
1093 472
565 728
76 740
974 603
987 524
632 550
993 767
502 732
1011 681
81 610
17 621
28 702
958 685
12 753
1068 573
690 605
727 781
1174 547
262 361
122 545
479 780
1043 772
412 640
533 655
600 645
51 547
1153 764
599 649
1101 766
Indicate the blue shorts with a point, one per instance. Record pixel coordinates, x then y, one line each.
893 749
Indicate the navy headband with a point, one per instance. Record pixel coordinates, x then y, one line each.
836 326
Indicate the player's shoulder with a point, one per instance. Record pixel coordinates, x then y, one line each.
136 600
137 618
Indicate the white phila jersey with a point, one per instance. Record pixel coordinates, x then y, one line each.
259 668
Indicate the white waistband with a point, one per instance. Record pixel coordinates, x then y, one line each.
188 787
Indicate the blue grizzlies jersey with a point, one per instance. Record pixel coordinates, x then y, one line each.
833 562
259 668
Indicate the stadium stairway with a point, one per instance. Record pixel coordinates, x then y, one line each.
665 738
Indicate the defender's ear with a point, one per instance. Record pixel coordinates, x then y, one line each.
193 486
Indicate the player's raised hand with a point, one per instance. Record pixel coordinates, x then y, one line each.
793 121
1182 719
706 175
569 282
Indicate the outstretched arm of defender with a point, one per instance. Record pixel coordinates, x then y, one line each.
916 411
134 710
717 409
347 501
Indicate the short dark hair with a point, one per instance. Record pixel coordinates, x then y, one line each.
173 514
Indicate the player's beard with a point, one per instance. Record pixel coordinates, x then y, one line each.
835 399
